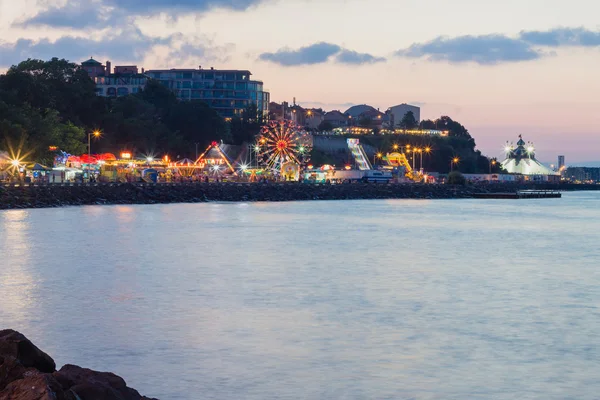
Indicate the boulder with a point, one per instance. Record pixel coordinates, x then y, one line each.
35 386
93 385
14 344
27 373
11 370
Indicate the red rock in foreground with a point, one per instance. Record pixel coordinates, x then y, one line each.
27 373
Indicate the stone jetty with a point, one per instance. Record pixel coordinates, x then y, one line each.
27 373
33 196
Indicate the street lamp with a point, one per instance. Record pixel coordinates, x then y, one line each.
378 155
414 150
421 154
96 134
455 160
492 163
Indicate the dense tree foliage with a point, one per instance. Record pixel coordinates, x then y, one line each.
53 103
408 121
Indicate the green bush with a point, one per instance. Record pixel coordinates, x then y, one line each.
456 178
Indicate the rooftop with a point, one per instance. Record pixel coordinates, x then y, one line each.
91 61
199 69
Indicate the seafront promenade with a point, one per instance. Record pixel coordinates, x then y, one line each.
34 196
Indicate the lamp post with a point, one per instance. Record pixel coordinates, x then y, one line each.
375 157
492 163
96 134
414 150
421 162
455 160
427 150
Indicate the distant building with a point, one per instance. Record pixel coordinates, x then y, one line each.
94 68
337 119
356 111
124 81
314 118
521 160
229 92
396 113
582 174
309 118
278 112
561 162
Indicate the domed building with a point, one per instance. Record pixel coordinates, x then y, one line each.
520 159
357 111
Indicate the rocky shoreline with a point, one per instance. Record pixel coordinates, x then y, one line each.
27 373
16 197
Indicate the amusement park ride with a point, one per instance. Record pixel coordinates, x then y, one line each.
281 152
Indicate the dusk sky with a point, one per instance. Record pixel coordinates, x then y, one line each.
501 68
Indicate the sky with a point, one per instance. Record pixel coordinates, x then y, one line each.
500 68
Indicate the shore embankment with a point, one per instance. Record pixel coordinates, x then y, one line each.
27 373
33 196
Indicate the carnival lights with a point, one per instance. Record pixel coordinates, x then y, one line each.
281 142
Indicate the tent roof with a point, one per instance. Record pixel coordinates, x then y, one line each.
526 166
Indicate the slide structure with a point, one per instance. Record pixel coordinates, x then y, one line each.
359 155
400 160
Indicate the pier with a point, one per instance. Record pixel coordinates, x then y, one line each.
520 194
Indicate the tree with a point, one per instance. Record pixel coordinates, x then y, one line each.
325 126
408 121
365 122
245 128
456 178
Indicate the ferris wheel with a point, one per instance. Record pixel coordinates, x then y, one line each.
281 142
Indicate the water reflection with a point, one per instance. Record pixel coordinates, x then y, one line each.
354 300
16 281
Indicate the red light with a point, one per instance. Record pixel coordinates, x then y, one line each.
214 144
282 145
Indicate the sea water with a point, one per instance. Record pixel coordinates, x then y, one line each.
398 299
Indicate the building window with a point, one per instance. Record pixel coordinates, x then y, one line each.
122 91
186 85
111 92
187 75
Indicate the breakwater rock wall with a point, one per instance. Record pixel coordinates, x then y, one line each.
27 373
132 193
58 195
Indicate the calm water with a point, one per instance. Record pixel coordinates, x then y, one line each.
316 300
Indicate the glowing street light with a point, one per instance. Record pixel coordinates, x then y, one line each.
15 163
149 159
492 163
455 160
395 147
376 156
